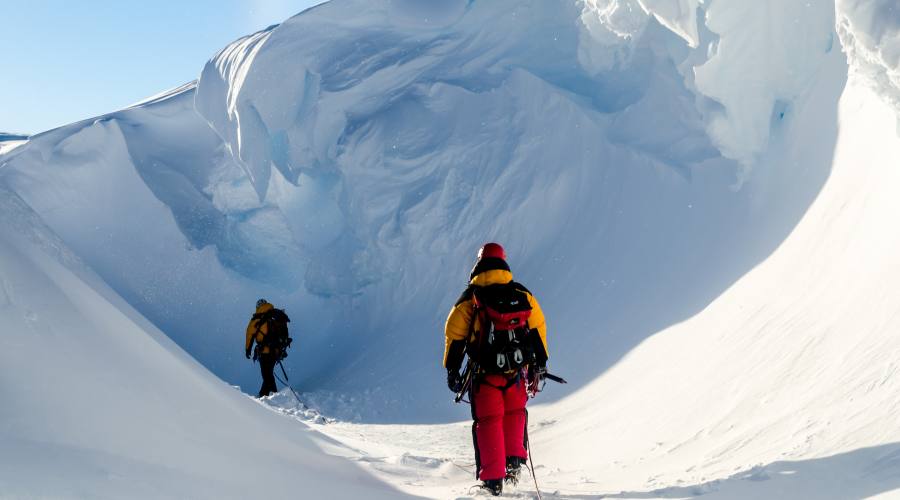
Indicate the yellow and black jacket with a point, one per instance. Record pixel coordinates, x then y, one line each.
257 332
462 324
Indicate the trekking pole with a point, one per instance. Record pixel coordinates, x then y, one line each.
285 382
533 476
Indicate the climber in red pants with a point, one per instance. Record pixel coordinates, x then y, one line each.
500 418
499 325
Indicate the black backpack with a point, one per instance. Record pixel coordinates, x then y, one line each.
277 337
505 342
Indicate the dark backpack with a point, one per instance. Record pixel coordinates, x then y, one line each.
277 338
505 343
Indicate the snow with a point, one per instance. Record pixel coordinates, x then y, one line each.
398 195
8 142
617 22
870 33
750 73
609 33
680 16
349 212
156 163
736 65
99 403
697 193
784 386
793 368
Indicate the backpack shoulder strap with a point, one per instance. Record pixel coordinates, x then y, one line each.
467 294
260 319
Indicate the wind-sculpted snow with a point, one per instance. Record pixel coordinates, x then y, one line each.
233 65
680 16
759 64
737 65
653 167
343 74
152 200
347 163
621 22
870 34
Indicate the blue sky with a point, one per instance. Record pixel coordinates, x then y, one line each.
63 60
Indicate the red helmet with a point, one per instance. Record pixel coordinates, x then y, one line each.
491 250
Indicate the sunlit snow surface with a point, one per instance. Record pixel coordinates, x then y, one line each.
695 192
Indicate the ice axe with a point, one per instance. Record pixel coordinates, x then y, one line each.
558 380
466 383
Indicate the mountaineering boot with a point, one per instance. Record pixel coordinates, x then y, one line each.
495 486
513 469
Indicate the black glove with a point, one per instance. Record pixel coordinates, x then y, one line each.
454 380
247 353
537 372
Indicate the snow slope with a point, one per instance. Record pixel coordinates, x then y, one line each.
98 403
790 377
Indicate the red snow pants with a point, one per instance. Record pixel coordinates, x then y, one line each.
499 427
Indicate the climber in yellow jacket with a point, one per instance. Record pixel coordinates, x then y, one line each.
499 325
268 329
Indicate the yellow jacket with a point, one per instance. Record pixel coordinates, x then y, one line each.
459 325
258 332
